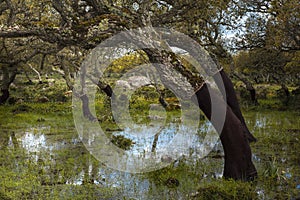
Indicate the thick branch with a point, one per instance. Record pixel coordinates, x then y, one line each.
19 33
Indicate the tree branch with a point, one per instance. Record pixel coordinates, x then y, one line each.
19 33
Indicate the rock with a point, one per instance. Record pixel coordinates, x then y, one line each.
43 99
138 81
68 93
121 84
13 86
19 101
155 117
167 159
133 82
51 82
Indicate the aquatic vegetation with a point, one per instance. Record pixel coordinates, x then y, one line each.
42 157
121 142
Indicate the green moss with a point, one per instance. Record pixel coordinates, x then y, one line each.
227 190
121 142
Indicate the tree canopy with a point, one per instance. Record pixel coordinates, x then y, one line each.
58 34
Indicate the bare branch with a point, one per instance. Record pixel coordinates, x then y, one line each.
37 72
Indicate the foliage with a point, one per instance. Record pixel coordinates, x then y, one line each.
49 36
268 65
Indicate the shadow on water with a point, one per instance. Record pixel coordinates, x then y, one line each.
58 158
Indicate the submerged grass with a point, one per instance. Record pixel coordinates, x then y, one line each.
40 170
276 153
66 170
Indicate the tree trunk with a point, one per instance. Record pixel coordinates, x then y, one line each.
238 158
86 109
287 94
232 101
231 98
4 96
9 75
238 161
37 72
249 87
284 89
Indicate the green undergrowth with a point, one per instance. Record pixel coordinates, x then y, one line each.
42 174
53 89
53 176
269 96
26 114
225 190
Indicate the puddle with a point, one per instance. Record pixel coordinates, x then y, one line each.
65 150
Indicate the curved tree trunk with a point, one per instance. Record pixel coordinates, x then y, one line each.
225 82
234 135
4 96
238 157
232 101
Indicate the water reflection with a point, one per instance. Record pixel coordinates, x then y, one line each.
34 143
261 121
66 161
187 143
54 150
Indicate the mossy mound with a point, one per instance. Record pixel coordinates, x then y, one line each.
227 190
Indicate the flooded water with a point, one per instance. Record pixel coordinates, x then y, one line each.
60 158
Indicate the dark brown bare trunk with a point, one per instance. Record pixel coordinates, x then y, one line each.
42 64
253 95
238 157
104 87
8 76
4 96
284 89
232 101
